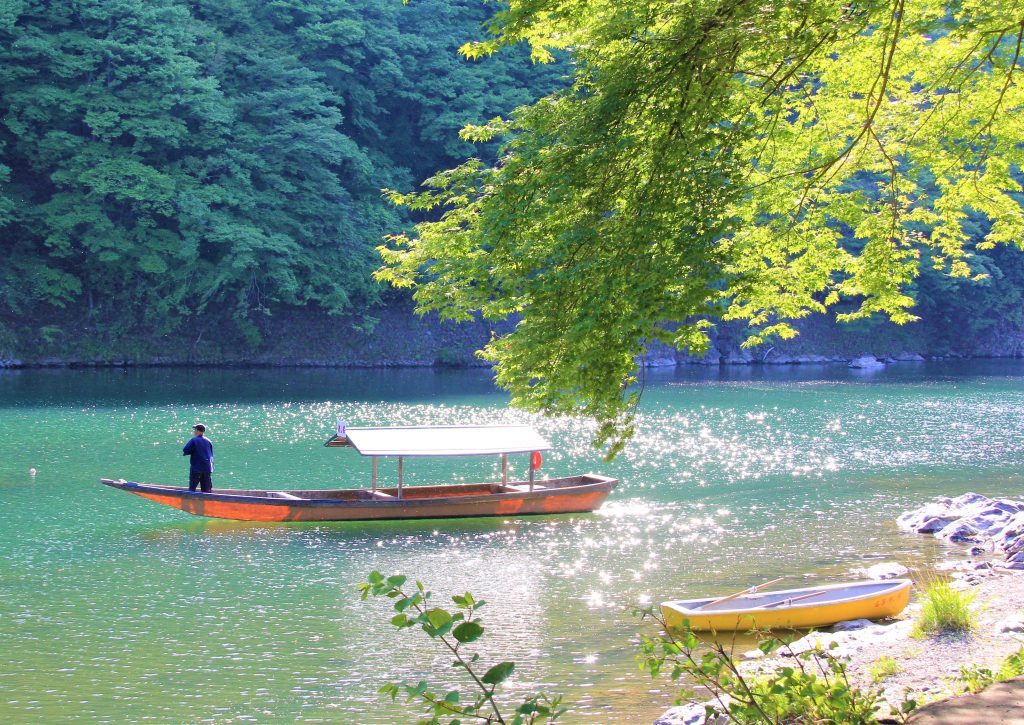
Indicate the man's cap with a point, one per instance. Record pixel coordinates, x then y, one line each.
199 427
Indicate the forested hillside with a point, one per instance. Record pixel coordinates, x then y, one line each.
202 181
169 167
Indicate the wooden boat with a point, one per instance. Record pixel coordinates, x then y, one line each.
573 494
804 608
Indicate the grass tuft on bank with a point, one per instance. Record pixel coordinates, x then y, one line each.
945 610
884 667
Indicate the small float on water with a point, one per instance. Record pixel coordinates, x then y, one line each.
803 608
573 494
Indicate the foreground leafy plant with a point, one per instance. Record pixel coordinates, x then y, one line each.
976 679
945 611
814 690
454 629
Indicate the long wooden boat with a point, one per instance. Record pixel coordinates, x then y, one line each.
804 608
572 494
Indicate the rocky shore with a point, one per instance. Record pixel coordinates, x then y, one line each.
463 358
992 532
397 337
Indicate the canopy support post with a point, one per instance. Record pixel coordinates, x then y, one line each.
531 474
373 476
401 460
504 469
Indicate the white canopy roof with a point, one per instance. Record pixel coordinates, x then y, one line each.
446 440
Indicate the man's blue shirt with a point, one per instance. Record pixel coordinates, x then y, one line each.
201 450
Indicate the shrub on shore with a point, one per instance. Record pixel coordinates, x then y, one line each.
815 689
976 679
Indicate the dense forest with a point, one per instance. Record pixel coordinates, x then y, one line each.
171 169
169 165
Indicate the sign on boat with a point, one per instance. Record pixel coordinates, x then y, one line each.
572 494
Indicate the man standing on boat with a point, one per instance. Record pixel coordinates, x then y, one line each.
201 450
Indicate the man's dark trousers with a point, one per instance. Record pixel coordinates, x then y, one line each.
200 478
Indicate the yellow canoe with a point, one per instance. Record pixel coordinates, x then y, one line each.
804 608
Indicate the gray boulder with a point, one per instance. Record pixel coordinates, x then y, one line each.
888 570
928 519
975 519
935 524
968 499
959 531
852 625
866 362
1011 533
994 519
1011 624
692 714
1012 546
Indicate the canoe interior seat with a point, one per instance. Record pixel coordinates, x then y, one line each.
282 494
520 487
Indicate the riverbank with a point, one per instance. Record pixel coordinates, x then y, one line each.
888 657
929 669
926 670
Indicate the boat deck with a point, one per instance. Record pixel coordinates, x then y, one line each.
572 494
387 494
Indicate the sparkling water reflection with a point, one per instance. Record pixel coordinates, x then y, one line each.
115 609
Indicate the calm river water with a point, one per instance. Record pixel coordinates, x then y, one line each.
115 609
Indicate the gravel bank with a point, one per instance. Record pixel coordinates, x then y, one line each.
928 668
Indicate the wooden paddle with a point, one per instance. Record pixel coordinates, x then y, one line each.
751 590
795 599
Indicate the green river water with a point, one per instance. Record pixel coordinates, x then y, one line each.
116 609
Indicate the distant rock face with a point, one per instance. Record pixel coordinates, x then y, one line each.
657 361
973 518
737 357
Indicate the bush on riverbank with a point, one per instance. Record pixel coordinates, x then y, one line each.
975 679
815 688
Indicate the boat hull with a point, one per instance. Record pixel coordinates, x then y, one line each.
836 603
576 494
